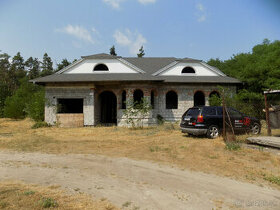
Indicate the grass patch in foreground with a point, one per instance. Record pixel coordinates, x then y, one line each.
233 146
20 196
273 179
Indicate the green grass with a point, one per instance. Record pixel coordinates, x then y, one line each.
233 146
40 125
273 179
48 203
29 192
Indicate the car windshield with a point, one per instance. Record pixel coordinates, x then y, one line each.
193 112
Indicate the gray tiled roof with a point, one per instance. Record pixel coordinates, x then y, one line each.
148 65
133 77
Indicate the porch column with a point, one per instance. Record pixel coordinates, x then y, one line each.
89 108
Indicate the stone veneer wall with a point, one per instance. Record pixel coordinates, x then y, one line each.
92 105
54 93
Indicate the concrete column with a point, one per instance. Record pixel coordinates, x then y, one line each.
89 108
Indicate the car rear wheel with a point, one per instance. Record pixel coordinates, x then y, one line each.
213 132
256 129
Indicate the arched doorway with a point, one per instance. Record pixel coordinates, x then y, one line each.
108 107
199 99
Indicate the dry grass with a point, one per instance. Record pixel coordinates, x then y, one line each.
20 196
162 144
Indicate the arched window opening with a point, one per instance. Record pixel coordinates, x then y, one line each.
101 67
152 99
171 100
199 99
214 93
124 99
138 97
188 70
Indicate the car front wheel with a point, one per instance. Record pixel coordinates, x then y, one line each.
213 132
256 129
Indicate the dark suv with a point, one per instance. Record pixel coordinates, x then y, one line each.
209 120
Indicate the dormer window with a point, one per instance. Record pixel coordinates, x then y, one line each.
101 67
188 70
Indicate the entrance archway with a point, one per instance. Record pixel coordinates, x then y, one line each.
108 107
199 98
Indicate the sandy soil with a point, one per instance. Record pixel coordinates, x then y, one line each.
132 184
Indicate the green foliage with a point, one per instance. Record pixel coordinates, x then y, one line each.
273 179
48 203
35 108
232 146
28 99
259 70
63 64
29 192
160 119
215 100
40 124
141 52
33 67
135 112
46 65
113 51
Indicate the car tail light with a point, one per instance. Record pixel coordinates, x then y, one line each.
199 118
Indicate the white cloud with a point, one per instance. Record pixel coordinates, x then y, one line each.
114 3
201 12
147 1
133 41
77 31
201 18
200 7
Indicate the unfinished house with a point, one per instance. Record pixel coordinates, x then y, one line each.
94 89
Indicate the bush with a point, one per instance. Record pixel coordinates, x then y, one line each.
232 146
28 100
36 107
40 124
215 101
48 203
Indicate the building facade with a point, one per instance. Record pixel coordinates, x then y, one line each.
95 90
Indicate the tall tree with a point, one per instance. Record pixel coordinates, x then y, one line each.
46 65
33 67
63 64
17 71
113 51
4 81
258 70
141 52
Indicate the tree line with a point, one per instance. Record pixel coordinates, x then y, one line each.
258 70
16 92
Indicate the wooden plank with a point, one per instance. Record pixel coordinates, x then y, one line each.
70 120
271 141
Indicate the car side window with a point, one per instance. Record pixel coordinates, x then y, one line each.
220 111
209 111
234 113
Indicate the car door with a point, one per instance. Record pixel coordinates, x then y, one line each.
236 119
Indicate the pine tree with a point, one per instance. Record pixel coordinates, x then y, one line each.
33 67
63 64
141 52
46 65
113 51
16 71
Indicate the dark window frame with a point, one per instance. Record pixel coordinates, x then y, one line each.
70 106
171 100
123 105
100 67
153 99
188 70
138 96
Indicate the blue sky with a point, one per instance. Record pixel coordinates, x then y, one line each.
201 29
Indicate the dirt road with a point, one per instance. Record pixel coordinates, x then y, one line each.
132 184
